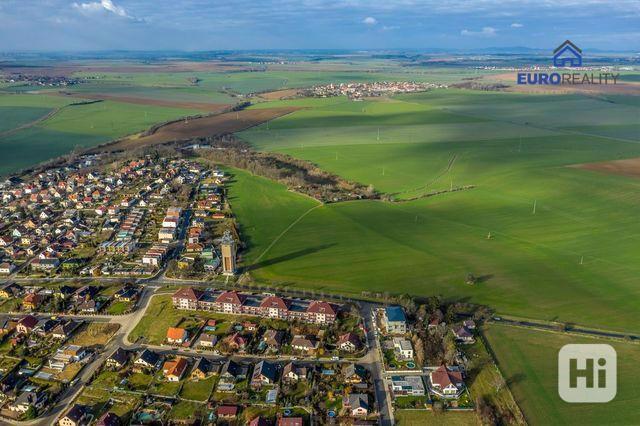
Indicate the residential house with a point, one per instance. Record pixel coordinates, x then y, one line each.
118 359
76 416
290 421
207 340
273 338
7 268
356 404
349 342
148 360
32 301
394 320
236 342
201 369
408 385
463 335
293 373
402 348
64 329
446 382
109 419
10 289
354 373
26 324
175 369
304 343
28 399
264 373
227 411
177 335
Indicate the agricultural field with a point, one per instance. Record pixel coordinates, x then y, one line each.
70 127
528 358
547 241
425 418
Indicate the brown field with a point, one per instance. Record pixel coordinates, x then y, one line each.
229 122
201 106
68 69
509 78
278 94
628 167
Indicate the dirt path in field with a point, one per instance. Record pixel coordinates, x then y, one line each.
213 125
201 106
32 123
291 225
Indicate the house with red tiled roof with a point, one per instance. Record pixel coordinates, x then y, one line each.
177 335
227 411
446 382
174 370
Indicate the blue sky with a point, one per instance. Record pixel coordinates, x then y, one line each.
59 25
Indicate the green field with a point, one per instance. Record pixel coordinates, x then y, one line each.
71 127
573 260
529 361
425 418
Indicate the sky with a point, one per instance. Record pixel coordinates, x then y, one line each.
191 25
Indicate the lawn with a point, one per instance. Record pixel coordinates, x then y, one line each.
164 387
528 359
427 246
425 418
185 410
161 314
198 390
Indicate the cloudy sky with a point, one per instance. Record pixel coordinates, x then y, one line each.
63 25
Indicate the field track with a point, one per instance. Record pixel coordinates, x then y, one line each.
229 122
202 106
32 123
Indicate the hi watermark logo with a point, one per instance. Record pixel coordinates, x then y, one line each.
567 55
587 373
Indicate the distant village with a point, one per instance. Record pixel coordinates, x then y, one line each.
358 91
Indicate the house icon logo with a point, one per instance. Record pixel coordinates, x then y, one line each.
567 55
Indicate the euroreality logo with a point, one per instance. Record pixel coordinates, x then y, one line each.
568 56
587 373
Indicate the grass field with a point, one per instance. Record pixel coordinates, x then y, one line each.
529 362
74 126
573 260
423 417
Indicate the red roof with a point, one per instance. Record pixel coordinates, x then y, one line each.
319 307
188 293
175 333
444 377
230 297
175 368
227 410
290 421
274 302
29 321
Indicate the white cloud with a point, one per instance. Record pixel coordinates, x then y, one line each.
370 20
485 32
102 5
516 25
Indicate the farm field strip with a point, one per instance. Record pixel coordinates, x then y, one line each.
528 358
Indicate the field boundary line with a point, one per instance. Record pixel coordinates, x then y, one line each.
291 225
